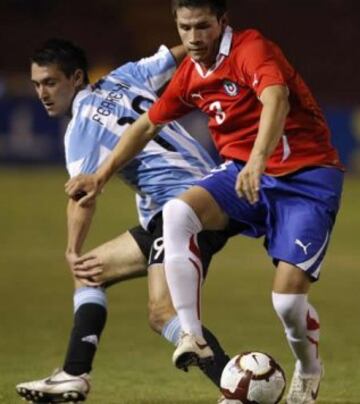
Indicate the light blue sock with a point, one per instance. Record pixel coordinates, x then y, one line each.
89 294
172 330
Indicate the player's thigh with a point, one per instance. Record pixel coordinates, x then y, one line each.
122 258
215 200
290 279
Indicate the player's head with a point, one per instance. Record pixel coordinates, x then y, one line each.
58 72
200 24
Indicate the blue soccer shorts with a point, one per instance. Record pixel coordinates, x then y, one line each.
295 212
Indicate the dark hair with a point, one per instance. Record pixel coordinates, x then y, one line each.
65 54
218 7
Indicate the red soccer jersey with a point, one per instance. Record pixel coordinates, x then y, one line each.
228 93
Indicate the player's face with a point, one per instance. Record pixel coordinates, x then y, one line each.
54 89
200 31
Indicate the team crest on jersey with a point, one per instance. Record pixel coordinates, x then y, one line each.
231 88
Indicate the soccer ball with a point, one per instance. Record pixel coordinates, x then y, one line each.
253 378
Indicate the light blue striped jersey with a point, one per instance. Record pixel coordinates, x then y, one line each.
100 113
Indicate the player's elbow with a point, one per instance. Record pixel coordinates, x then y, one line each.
276 97
150 130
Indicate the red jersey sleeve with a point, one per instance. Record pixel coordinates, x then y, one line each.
171 105
259 63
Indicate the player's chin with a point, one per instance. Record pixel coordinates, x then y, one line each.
52 112
199 57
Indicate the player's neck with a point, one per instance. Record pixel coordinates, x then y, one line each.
70 110
212 59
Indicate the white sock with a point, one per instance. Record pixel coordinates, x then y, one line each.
302 329
183 268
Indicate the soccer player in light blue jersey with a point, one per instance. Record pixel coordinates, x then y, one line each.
169 165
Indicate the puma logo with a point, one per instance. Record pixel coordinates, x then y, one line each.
304 247
197 95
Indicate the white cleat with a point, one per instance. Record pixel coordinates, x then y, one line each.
304 389
60 387
192 351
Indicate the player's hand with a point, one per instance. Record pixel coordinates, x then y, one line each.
248 180
83 188
89 268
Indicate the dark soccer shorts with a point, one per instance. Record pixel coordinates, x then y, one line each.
151 244
295 213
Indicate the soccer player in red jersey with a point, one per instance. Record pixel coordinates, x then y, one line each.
281 178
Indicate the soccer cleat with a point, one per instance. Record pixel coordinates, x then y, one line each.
192 351
60 387
304 389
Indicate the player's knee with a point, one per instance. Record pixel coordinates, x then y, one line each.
179 216
159 314
291 310
174 214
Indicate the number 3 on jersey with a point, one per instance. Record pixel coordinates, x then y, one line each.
219 113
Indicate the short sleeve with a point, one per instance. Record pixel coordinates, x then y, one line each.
171 105
83 152
154 71
260 65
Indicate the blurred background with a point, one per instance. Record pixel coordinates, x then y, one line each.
320 37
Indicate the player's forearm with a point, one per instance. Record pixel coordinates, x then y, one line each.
132 141
179 53
78 223
272 121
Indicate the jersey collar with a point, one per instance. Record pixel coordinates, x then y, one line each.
79 97
224 51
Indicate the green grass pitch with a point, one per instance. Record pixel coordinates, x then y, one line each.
133 364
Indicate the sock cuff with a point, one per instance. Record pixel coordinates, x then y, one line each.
172 330
86 295
286 298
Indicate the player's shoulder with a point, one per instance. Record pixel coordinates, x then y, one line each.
245 38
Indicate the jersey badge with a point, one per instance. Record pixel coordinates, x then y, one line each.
231 88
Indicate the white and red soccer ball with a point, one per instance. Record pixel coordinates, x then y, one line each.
253 378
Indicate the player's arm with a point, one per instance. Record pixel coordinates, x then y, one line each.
271 126
78 223
133 140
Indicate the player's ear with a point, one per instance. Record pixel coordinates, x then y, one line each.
78 77
224 20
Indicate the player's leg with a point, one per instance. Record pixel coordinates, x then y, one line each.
162 316
303 224
298 316
184 218
201 207
121 258
302 329
164 320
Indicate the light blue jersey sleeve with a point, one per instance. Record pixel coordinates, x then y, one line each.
154 71
84 147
